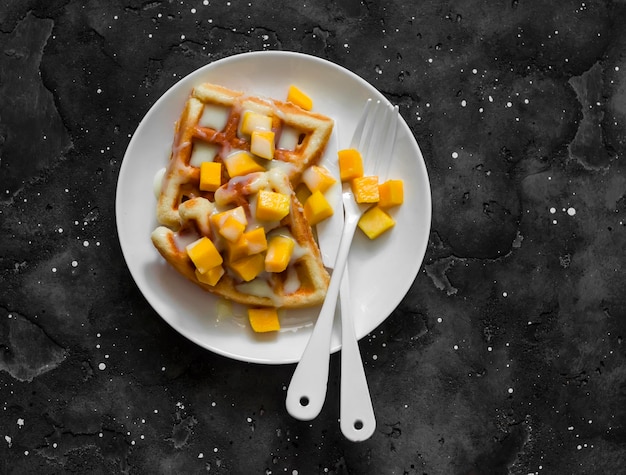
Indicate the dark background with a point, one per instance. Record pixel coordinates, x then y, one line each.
507 354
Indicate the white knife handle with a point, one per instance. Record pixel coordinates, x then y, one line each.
356 413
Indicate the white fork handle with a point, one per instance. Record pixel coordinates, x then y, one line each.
307 390
356 414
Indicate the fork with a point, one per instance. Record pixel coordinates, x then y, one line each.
307 389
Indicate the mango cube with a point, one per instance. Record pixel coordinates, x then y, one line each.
212 276
262 143
272 206
318 178
237 250
350 164
391 193
219 219
264 320
231 229
254 121
241 163
210 176
365 189
317 208
204 254
255 241
247 268
299 98
279 251
375 221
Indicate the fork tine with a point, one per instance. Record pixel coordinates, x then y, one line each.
368 134
358 131
375 136
387 148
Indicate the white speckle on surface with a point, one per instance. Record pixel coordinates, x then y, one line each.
54 269
200 455
455 155
553 210
505 294
510 390
571 211
463 103
20 422
456 347
439 320
8 440
102 366
74 263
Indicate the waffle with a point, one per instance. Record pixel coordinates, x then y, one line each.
303 283
211 124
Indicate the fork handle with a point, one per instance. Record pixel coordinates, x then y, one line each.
356 413
307 389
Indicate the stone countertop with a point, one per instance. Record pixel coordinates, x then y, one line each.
506 355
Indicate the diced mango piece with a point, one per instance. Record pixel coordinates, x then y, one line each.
247 268
237 250
317 208
210 176
242 163
279 251
272 206
256 241
391 193
264 320
204 254
375 221
238 213
365 189
232 229
262 143
299 98
212 276
254 121
350 164
318 178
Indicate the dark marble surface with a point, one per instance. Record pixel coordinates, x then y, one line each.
507 354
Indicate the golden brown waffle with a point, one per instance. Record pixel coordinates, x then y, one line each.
305 280
211 121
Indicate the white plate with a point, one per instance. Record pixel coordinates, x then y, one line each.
381 271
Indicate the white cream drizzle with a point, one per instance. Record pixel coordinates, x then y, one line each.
214 116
